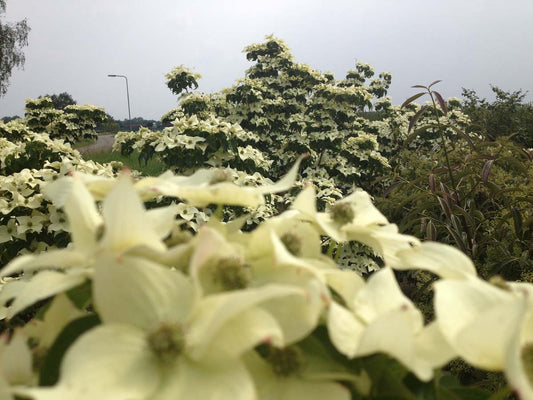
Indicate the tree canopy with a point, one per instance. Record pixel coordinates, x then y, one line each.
61 100
13 37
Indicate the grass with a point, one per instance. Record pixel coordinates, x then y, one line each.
153 167
83 143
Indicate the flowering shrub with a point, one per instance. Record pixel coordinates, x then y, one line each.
134 309
29 223
20 148
28 160
74 123
280 109
207 141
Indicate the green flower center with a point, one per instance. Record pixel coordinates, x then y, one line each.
342 213
285 361
167 341
231 274
293 243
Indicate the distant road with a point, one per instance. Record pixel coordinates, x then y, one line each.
104 143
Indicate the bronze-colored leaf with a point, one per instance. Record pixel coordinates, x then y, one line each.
431 231
529 154
486 171
464 135
413 98
441 102
434 83
432 183
445 206
445 188
419 87
416 117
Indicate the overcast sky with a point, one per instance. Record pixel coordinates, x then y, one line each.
75 44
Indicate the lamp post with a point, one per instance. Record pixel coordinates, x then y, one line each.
127 93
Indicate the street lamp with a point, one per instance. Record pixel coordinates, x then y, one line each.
127 93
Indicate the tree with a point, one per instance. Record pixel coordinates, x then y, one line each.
508 115
61 100
293 109
13 37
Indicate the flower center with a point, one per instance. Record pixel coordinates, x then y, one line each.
167 341
342 213
231 274
285 361
293 243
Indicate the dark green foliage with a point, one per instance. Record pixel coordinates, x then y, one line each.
74 123
61 100
507 115
182 79
49 372
34 157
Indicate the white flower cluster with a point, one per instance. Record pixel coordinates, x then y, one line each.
28 221
393 130
205 140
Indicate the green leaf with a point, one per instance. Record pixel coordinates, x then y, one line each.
413 98
444 387
387 376
81 295
502 394
466 393
49 374
518 222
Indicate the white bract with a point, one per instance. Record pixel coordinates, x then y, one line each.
379 318
124 226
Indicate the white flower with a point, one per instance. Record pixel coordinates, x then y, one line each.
157 341
379 318
124 227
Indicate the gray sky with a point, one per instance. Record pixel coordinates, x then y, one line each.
75 44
